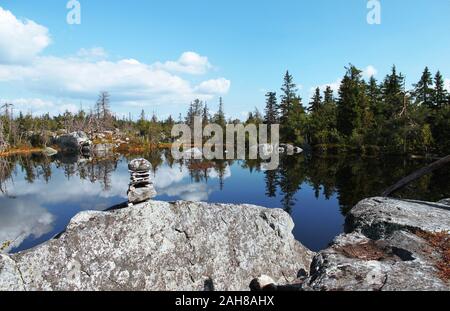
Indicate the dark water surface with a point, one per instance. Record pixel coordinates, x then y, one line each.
40 195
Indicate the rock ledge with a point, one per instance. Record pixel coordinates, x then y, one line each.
162 246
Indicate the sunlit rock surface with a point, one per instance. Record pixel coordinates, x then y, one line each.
395 245
162 246
73 142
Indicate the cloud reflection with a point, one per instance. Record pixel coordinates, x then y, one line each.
23 219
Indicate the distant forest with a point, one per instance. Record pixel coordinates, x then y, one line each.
367 117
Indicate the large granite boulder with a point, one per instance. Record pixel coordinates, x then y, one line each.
377 218
162 246
74 142
394 245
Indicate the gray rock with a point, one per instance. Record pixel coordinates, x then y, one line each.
377 218
73 142
140 165
445 202
141 194
385 250
403 262
162 246
49 152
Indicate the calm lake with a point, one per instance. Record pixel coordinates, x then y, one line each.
39 195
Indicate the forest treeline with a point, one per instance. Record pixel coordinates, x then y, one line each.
367 117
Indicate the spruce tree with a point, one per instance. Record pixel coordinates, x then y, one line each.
316 102
205 115
219 117
393 94
423 91
351 102
440 94
374 96
271 111
328 96
288 96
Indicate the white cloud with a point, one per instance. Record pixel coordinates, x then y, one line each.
447 84
369 71
189 62
22 220
80 77
334 86
20 41
215 86
93 53
38 106
127 80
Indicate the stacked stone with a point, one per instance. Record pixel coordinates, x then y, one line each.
141 187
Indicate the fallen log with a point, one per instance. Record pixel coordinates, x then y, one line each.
416 175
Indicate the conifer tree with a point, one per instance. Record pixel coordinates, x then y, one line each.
219 117
423 91
271 116
205 115
440 94
288 96
328 96
393 94
316 102
351 102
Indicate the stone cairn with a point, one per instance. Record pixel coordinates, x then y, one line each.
141 187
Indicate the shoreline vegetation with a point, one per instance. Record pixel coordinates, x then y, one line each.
368 118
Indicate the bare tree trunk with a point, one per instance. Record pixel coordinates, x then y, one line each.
416 175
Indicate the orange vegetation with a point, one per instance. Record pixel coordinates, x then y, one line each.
441 243
19 150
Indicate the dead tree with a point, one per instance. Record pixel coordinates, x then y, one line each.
104 116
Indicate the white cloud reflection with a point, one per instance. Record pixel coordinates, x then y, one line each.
21 220
29 208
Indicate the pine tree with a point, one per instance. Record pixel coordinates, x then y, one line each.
423 91
440 94
316 102
271 111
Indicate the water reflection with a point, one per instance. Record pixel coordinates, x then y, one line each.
39 195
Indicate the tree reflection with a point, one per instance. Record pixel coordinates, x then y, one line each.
348 178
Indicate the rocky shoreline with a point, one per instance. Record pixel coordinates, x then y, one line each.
390 245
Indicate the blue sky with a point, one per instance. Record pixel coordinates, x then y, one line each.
160 55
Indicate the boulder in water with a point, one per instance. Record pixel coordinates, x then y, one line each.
74 142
